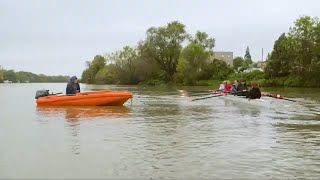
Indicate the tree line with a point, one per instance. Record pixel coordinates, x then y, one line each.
168 54
22 76
295 59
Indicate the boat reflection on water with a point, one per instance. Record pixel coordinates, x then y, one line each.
72 113
74 117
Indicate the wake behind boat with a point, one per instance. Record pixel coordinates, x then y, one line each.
263 101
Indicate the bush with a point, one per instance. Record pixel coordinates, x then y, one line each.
152 82
202 83
249 76
293 81
263 82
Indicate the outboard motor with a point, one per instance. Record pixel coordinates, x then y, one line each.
42 93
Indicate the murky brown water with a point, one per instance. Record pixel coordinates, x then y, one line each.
160 134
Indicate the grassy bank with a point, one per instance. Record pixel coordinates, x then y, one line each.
258 76
288 81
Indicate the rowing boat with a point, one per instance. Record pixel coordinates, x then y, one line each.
263 101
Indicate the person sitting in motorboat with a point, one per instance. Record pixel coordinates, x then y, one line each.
78 87
234 89
227 87
242 88
71 86
255 92
221 87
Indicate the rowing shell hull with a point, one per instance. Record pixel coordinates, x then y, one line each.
263 101
95 98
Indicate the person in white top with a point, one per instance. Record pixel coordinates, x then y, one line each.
221 87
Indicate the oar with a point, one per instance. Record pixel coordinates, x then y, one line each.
198 94
199 91
207 97
278 96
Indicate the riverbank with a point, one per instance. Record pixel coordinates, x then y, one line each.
11 76
250 77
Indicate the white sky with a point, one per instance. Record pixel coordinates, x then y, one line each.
57 37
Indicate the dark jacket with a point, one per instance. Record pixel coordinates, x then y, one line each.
234 89
78 87
254 93
242 90
71 87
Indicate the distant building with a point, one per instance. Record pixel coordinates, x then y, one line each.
262 65
226 56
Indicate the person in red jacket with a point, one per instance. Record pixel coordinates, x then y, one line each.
227 87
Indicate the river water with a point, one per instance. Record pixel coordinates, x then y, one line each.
160 133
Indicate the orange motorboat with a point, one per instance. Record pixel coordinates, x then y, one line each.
94 98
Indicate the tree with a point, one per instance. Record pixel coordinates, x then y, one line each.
149 70
192 62
10 75
164 45
218 69
93 68
22 76
281 58
203 39
107 75
297 53
1 74
304 35
126 63
237 62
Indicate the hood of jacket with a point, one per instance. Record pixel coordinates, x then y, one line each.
73 78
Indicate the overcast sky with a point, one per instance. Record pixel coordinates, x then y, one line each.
57 36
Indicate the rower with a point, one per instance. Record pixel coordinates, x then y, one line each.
227 87
234 89
255 92
242 88
221 87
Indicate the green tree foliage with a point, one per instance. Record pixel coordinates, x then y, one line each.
164 45
93 67
218 69
10 75
22 76
248 76
126 65
1 74
191 63
241 64
203 39
162 57
149 70
255 65
237 62
159 58
107 75
297 54
279 61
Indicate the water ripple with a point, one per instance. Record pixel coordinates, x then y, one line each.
162 134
